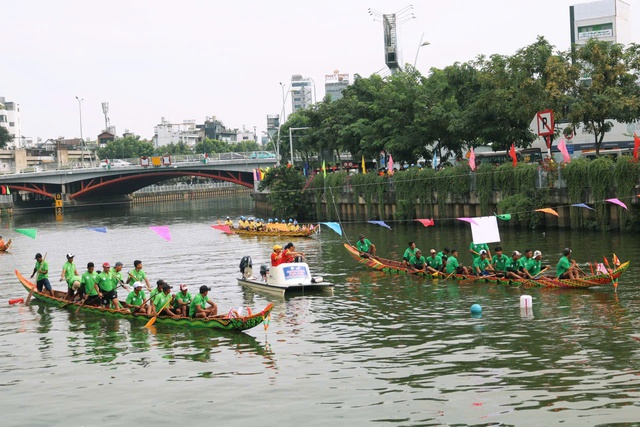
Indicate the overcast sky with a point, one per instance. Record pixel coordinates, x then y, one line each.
188 59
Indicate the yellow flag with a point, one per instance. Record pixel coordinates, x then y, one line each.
324 170
364 168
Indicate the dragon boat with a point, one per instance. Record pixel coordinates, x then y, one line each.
306 232
395 267
6 246
230 322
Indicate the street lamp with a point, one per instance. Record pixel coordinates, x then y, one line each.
427 43
81 138
291 141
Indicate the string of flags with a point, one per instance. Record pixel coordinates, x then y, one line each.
5 190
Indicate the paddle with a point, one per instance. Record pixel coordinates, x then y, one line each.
135 310
81 305
153 319
538 275
35 286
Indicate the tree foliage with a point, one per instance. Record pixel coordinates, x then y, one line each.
126 147
5 137
285 192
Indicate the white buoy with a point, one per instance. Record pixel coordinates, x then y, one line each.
526 301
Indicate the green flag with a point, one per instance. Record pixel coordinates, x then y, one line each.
29 232
504 217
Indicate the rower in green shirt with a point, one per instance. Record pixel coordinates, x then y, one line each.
162 301
108 285
535 265
68 271
90 292
182 300
408 253
511 266
365 247
417 261
434 262
499 260
453 266
198 308
135 300
476 248
566 268
138 275
524 263
481 265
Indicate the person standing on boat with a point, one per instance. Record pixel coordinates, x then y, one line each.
290 254
418 261
42 280
365 247
135 300
409 253
117 273
475 249
481 265
434 262
68 271
91 291
198 309
499 260
138 274
182 300
567 268
108 285
276 256
453 266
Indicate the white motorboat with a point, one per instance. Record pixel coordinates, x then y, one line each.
284 278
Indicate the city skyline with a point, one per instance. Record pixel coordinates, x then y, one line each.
152 60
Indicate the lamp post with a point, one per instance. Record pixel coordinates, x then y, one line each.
291 140
418 51
315 98
81 138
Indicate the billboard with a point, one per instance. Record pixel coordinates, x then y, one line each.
390 41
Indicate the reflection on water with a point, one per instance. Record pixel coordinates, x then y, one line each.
393 349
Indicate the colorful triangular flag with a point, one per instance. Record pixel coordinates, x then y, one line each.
380 223
334 226
29 232
162 231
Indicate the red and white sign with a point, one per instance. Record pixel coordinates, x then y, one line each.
546 126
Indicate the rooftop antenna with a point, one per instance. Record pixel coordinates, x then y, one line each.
390 23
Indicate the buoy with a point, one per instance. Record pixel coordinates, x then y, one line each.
526 301
476 309
16 301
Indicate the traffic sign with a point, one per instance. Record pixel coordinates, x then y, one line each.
544 119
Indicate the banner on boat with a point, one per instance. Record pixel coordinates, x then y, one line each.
296 272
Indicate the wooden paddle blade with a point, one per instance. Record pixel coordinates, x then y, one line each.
30 295
151 322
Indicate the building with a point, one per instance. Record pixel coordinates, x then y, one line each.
10 119
334 84
167 133
606 20
301 95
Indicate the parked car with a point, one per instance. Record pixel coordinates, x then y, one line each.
262 155
115 163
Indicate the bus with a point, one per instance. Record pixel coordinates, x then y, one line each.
527 155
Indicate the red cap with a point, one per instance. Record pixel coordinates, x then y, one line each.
106 264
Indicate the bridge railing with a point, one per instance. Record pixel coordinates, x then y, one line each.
183 187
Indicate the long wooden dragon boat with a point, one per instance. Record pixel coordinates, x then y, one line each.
395 267
227 323
306 232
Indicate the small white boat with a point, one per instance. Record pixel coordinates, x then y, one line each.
284 278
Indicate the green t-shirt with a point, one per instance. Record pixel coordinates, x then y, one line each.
44 265
89 280
69 269
534 267
500 262
418 262
107 282
200 300
478 248
563 266
154 292
138 275
442 256
74 279
180 297
511 265
522 263
452 264
434 262
160 300
408 253
118 276
134 299
363 246
480 263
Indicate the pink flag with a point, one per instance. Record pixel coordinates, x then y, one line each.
617 202
390 168
562 146
426 222
469 220
601 268
224 228
162 231
472 159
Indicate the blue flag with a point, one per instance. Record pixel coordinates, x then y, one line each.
334 226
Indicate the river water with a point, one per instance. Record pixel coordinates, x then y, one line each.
384 350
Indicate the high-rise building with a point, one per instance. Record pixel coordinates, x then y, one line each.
301 95
10 119
606 20
335 83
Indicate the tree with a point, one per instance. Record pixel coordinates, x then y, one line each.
286 197
127 147
212 146
609 88
5 137
179 148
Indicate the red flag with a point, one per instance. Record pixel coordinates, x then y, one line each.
512 154
616 261
426 222
472 159
636 146
562 146
4 190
